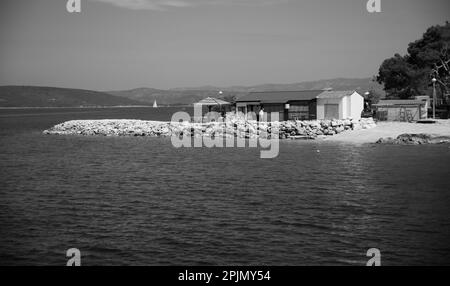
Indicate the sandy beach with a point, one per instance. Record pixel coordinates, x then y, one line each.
391 129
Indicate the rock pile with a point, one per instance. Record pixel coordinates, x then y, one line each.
232 127
111 127
312 129
414 139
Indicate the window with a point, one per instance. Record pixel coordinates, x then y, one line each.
298 112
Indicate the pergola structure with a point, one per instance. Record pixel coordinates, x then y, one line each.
210 102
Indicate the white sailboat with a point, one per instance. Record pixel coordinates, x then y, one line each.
154 104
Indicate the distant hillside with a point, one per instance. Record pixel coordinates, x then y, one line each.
34 96
361 85
192 94
167 97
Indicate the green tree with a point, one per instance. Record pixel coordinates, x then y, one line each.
410 75
400 78
373 96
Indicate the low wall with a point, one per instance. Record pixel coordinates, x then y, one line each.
233 128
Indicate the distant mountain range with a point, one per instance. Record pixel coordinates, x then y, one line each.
33 96
36 96
166 97
358 84
190 95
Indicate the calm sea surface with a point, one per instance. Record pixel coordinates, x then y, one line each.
139 201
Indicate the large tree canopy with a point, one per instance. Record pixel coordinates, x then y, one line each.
410 75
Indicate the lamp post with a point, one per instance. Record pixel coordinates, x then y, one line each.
367 93
434 97
220 106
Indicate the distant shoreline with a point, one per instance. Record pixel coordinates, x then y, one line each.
88 107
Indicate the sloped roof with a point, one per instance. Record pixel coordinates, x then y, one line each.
335 94
212 101
280 96
399 102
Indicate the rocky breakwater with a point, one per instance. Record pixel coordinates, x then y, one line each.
232 127
313 129
111 127
414 139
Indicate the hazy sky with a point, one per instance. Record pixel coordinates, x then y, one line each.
122 44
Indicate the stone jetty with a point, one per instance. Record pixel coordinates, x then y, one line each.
234 127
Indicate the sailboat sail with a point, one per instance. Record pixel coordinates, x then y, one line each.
154 104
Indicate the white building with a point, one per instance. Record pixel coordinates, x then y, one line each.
339 105
304 104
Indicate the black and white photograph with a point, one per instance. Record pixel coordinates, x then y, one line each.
221 133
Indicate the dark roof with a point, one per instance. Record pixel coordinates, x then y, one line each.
400 102
335 94
280 96
209 101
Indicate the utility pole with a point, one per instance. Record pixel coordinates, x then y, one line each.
434 97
